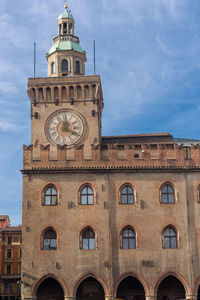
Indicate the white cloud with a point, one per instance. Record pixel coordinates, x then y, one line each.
163 46
7 126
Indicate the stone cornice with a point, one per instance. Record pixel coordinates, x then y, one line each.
110 169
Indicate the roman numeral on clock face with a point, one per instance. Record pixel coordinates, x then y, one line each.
64 127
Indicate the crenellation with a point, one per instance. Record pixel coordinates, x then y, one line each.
61 156
79 153
112 154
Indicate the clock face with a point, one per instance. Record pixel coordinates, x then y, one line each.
64 127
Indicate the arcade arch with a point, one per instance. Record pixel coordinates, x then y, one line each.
49 289
130 288
171 287
90 289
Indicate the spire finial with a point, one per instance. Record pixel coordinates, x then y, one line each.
66 6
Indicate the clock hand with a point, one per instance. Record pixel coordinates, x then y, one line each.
65 126
73 132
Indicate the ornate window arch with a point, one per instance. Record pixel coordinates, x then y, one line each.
77 67
169 236
65 65
87 239
49 239
86 194
128 238
167 193
126 194
53 70
50 196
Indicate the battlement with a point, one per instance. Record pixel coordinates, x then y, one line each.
114 155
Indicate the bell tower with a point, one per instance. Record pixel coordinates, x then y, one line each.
66 57
66 106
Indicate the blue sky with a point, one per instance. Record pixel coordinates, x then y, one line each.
148 56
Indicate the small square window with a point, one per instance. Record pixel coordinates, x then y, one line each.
136 155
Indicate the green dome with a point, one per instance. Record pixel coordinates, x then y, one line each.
65 15
65 45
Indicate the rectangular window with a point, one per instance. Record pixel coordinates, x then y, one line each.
187 153
9 253
8 269
9 240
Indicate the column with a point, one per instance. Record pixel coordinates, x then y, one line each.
151 297
191 297
110 298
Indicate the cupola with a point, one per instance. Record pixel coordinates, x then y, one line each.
66 57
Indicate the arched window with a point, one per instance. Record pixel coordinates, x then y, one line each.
64 65
169 238
77 67
167 194
87 195
86 91
128 238
79 92
50 196
49 240
48 91
53 68
126 195
88 239
40 94
71 92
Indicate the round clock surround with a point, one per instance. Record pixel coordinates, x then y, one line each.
65 127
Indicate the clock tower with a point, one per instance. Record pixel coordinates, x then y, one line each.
66 106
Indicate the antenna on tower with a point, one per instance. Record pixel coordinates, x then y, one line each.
94 58
34 59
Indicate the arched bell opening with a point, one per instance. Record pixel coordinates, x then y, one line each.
90 289
130 288
170 288
50 289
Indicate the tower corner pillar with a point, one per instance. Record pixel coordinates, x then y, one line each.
191 297
151 297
